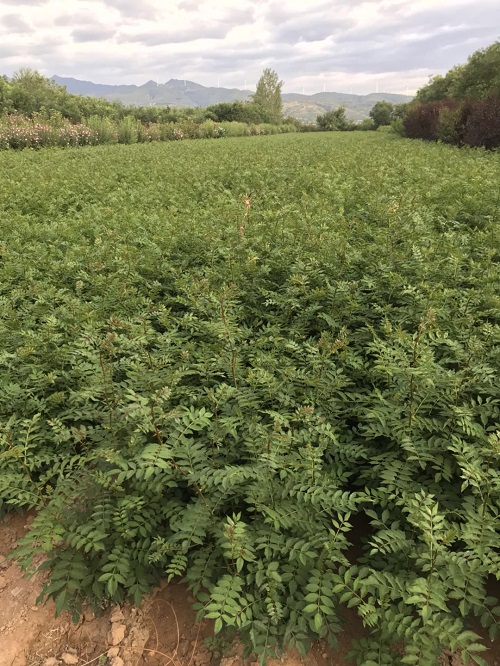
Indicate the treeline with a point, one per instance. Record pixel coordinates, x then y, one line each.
29 93
462 107
36 112
381 114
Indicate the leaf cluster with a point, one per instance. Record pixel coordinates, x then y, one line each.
298 418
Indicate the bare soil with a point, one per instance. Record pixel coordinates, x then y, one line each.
161 632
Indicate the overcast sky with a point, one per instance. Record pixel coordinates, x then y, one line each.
337 45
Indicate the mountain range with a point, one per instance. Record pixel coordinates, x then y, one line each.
181 93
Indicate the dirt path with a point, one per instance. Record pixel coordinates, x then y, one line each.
161 632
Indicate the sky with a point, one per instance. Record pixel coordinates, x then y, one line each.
357 46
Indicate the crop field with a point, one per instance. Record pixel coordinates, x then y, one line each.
268 365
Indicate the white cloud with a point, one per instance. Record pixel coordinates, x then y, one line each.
342 45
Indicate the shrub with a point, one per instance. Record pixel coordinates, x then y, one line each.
233 128
397 126
211 130
421 120
298 416
482 123
474 123
365 125
334 121
449 125
104 129
189 129
127 130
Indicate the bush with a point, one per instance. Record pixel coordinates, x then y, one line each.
127 130
334 121
421 121
297 416
474 123
18 132
365 125
104 130
448 127
397 126
482 123
234 128
211 130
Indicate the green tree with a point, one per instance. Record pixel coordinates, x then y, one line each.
382 113
441 87
31 92
242 112
5 95
480 77
399 110
365 125
334 121
267 96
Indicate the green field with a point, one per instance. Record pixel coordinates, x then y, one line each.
294 403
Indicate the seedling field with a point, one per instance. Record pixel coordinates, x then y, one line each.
267 365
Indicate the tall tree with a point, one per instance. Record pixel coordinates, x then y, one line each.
268 96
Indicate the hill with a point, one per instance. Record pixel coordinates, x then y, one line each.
181 93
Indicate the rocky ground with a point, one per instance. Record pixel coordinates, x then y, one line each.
161 632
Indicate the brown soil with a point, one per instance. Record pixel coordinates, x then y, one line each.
161 632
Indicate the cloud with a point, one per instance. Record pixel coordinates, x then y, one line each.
310 29
435 38
342 43
23 2
15 24
156 38
94 33
134 8
84 18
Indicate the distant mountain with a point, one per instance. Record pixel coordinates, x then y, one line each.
173 93
308 107
180 93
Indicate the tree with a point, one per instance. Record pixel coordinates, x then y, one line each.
440 87
242 112
334 121
399 110
382 113
480 77
32 92
268 96
477 79
365 125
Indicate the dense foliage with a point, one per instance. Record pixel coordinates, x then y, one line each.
473 123
334 121
37 112
384 113
52 129
268 365
267 96
462 107
28 93
477 79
